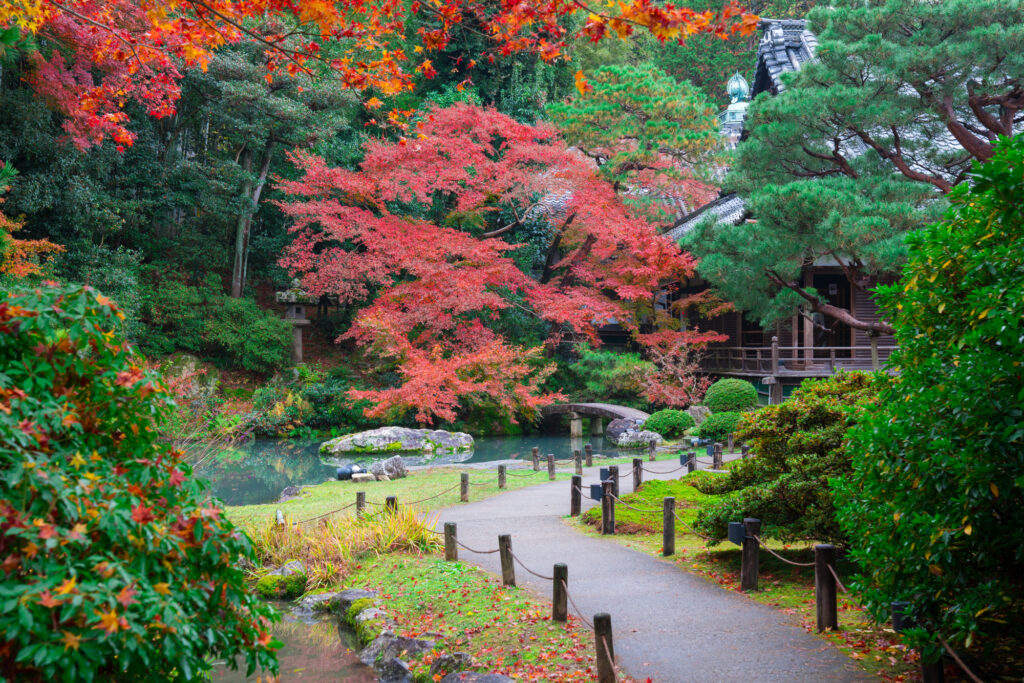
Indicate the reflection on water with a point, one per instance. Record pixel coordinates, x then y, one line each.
256 472
313 652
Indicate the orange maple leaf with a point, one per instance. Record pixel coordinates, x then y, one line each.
108 621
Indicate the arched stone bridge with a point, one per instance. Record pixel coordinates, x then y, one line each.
600 411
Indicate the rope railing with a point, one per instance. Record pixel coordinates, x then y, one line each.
611 660
660 472
529 474
627 505
478 552
530 571
424 500
780 557
959 662
836 577
690 528
326 514
579 612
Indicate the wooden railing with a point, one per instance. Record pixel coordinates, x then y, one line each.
794 360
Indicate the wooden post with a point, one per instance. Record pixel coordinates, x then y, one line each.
751 555
577 459
588 450
536 459
451 551
825 587
668 526
575 495
508 570
464 487
638 474
745 450
691 462
551 467
559 606
651 449
391 504
717 459
604 647
360 503
607 508
730 443
931 672
501 476
613 474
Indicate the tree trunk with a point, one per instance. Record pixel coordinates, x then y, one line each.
830 311
251 189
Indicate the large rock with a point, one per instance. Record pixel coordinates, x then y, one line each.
387 647
343 600
399 440
619 426
699 414
449 663
639 439
289 568
392 468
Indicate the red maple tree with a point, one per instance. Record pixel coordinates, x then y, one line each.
414 238
94 56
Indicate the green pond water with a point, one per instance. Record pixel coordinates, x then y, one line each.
315 650
256 472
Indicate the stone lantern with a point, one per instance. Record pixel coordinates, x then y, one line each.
295 300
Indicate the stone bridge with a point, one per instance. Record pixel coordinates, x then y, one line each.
597 411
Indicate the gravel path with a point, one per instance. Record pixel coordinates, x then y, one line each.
668 625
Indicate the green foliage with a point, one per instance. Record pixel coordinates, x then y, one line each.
276 587
935 502
609 376
799 448
670 423
202 319
115 272
718 426
731 394
117 563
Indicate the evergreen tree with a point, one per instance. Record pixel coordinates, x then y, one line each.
863 145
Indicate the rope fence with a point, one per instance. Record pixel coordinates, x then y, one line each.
780 557
326 514
836 577
579 612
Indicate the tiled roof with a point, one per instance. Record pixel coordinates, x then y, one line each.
785 45
728 210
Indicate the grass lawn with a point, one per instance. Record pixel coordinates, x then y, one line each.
419 485
465 609
876 647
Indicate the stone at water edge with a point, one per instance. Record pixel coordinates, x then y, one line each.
389 646
289 568
638 439
619 426
361 477
398 440
344 599
448 663
393 468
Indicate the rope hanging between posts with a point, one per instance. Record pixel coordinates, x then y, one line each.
579 612
704 462
478 552
692 530
627 505
780 557
326 514
530 571
530 474
479 483
659 472
424 500
836 577
616 671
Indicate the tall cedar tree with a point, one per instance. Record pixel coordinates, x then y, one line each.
414 238
90 58
862 146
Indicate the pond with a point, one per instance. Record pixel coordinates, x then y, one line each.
314 651
256 472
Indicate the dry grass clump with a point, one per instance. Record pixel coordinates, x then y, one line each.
330 547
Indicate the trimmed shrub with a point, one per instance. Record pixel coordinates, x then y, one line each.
731 394
670 424
610 377
934 506
718 426
799 448
117 565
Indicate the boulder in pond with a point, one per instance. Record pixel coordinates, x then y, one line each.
399 440
619 426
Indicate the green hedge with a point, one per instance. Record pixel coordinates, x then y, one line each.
718 426
670 424
730 394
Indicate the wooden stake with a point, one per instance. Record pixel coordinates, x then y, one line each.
668 526
750 555
464 487
360 503
825 587
575 495
607 508
638 474
391 504
501 476
578 461
588 450
613 474
559 607
536 459
605 648
651 449
551 467
508 570
451 550
691 463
